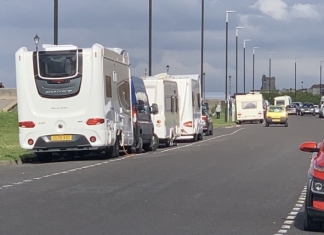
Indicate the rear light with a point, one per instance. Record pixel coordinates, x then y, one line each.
268 116
239 114
93 139
188 124
95 121
158 121
30 141
26 124
134 114
204 117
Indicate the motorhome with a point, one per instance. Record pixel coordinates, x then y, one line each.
144 135
282 100
191 125
74 100
249 108
162 89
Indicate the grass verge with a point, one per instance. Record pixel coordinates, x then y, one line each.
221 122
9 141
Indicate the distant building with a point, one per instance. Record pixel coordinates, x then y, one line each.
268 84
315 89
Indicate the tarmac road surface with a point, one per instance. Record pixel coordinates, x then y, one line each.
242 180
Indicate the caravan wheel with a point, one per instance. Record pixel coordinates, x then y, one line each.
114 150
195 138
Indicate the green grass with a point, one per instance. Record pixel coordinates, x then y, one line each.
9 142
221 122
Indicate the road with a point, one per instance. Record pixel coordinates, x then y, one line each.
247 179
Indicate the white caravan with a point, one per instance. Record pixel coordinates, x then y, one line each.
73 99
190 106
249 108
282 100
162 89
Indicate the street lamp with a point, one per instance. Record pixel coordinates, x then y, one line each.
150 38
253 65
55 22
321 77
236 84
202 44
296 78
302 86
226 64
245 40
204 78
270 70
167 68
36 40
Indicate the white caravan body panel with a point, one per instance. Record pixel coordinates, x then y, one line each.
82 105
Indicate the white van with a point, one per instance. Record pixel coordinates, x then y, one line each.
282 100
190 109
249 108
162 89
74 99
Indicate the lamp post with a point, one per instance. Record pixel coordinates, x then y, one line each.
167 68
202 46
302 86
253 66
236 81
296 78
55 22
36 40
226 65
150 38
321 78
270 71
204 91
245 40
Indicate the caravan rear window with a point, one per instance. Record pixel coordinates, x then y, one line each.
58 74
249 105
57 64
280 102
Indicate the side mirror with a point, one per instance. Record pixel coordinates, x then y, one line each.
154 108
310 147
140 106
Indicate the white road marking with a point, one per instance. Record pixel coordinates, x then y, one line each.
111 161
292 215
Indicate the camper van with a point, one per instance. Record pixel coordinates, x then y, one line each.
144 135
191 125
162 89
74 100
249 108
282 100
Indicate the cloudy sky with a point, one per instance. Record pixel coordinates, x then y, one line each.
288 28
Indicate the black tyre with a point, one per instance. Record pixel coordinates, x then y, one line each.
195 138
309 223
153 145
266 124
211 131
207 133
286 124
113 151
139 145
168 143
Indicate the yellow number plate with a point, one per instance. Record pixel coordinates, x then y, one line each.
61 137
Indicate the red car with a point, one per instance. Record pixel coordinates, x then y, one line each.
314 203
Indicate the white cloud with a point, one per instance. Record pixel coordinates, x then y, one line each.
305 11
274 8
280 10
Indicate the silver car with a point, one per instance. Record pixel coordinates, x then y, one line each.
307 108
